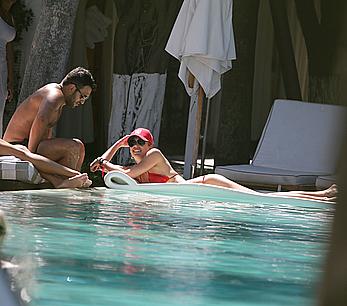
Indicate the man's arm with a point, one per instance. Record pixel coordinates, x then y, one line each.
37 132
46 115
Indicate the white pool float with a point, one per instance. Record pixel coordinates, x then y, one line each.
121 181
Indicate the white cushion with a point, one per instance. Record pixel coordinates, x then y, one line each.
12 168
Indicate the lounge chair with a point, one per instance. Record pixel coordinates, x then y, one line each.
300 141
325 181
16 174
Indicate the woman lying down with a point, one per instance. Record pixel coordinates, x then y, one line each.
153 167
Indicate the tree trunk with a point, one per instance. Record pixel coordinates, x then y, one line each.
51 44
321 34
233 143
285 49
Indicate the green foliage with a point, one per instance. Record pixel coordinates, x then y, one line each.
23 18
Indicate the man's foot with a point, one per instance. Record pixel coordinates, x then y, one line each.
87 183
77 181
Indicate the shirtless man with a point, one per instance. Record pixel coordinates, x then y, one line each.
31 124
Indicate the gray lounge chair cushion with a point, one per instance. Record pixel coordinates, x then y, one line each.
266 176
300 141
326 181
12 168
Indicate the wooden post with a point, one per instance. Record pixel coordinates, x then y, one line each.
193 133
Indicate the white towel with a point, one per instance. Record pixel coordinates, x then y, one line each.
202 38
137 102
13 168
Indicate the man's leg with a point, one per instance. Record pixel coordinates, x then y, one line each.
42 163
77 181
67 152
59 175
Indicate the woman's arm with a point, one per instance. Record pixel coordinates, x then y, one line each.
100 162
9 59
152 159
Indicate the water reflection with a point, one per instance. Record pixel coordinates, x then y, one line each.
130 246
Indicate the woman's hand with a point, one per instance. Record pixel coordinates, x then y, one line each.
97 164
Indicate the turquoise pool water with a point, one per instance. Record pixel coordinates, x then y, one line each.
106 247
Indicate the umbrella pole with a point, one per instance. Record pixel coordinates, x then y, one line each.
193 134
204 139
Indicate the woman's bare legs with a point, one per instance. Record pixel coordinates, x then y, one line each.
219 180
328 194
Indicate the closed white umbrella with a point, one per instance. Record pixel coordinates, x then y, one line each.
202 39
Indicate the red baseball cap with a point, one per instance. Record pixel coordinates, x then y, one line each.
144 134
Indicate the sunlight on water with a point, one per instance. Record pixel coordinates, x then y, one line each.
105 247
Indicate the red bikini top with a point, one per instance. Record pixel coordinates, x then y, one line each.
149 177
157 178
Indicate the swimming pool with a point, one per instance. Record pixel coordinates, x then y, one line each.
108 247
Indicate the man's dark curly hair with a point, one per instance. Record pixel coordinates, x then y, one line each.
80 77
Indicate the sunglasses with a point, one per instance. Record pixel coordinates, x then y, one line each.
83 97
133 141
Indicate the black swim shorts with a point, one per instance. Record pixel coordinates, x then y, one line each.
24 142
